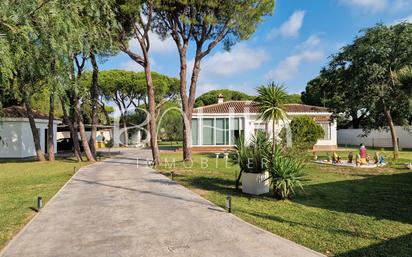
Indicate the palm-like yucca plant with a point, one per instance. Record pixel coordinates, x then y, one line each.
251 158
271 99
285 174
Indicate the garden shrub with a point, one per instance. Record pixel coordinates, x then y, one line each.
305 133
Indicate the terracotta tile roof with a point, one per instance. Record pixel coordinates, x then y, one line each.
250 106
20 112
321 119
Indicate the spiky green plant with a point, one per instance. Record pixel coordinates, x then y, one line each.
286 174
252 158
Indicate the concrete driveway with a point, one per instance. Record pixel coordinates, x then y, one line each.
114 208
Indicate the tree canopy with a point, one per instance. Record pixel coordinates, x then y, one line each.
206 24
211 97
368 80
130 87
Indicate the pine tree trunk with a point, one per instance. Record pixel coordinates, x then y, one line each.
82 131
50 128
73 132
34 131
125 130
393 132
152 121
187 154
188 107
190 104
94 92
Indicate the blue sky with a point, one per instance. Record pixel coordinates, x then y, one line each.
290 47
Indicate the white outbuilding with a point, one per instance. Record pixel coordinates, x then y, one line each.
16 140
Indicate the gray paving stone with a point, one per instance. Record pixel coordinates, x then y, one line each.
114 208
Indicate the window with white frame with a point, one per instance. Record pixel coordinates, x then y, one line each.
222 131
216 131
327 129
237 129
208 131
195 132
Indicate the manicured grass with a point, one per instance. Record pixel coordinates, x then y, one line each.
341 212
171 143
21 182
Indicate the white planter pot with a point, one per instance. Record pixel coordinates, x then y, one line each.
255 183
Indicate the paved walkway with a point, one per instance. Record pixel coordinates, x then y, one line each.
113 208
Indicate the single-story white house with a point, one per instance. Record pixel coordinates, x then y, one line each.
103 132
16 136
216 126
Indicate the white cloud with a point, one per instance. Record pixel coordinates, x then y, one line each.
372 5
289 67
157 45
240 59
206 87
407 19
134 66
379 5
289 28
400 5
307 51
312 41
131 66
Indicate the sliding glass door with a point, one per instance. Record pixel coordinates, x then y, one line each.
236 129
222 131
195 132
208 131
216 131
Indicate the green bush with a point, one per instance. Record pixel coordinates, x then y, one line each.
305 133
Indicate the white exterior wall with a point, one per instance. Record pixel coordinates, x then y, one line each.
252 118
10 145
375 138
333 136
18 140
66 134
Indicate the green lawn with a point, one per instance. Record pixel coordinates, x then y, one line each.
171 143
20 184
342 211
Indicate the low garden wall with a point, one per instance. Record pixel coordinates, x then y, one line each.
349 137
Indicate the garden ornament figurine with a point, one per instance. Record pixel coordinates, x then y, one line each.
350 157
381 161
358 160
362 153
368 158
376 157
334 158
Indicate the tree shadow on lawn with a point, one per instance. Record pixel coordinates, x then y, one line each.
399 247
34 161
221 185
326 227
381 196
